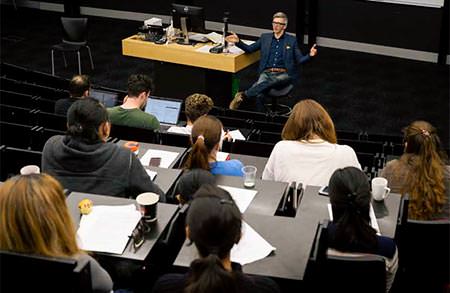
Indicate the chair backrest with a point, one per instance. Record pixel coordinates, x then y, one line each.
74 30
175 139
12 159
30 273
424 254
135 134
330 273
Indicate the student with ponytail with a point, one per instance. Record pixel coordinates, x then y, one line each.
206 140
213 224
421 173
350 232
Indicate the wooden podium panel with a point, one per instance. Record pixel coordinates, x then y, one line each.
187 55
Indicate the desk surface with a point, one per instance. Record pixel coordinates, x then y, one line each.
165 178
291 239
165 213
313 208
258 162
266 200
143 147
187 55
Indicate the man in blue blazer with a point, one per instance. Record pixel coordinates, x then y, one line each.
280 56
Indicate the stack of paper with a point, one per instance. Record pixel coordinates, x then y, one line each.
167 158
242 197
106 228
251 247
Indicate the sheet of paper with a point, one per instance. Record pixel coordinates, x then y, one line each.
178 129
151 173
204 49
235 50
167 158
251 247
242 197
106 228
222 156
247 42
214 37
236 134
373 219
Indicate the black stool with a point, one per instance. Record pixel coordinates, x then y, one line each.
276 93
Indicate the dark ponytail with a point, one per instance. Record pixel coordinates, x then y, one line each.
206 134
350 200
209 275
214 223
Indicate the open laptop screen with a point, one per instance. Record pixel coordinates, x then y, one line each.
166 111
109 99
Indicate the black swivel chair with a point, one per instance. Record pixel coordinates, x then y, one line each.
74 39
31 273
274 108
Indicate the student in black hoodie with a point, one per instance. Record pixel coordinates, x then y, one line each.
83 161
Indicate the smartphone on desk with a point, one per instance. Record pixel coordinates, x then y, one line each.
324 191
154 162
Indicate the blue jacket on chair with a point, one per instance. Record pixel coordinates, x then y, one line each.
292 54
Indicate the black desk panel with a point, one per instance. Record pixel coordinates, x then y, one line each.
165 178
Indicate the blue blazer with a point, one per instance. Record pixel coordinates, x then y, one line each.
292 54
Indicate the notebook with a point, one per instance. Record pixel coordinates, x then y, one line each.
167 111
107 98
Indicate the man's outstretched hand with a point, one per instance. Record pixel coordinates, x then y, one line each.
233 38
313 51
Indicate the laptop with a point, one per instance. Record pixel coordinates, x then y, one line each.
107 98
166 110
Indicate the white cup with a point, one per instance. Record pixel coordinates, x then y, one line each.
379 188
147 203
249 176
30 169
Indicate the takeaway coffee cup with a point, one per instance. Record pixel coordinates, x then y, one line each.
249 176
379 188
147 203
30 169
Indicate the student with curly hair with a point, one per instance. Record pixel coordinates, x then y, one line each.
421 173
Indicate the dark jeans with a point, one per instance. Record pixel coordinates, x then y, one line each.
265 82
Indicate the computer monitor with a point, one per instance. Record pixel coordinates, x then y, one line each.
188 19
108 98
166 110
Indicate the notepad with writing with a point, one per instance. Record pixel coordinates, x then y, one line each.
106 228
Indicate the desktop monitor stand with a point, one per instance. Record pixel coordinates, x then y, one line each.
185 40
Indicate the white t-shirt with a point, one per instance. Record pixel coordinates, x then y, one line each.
309 162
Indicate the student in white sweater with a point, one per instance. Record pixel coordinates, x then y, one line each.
308 152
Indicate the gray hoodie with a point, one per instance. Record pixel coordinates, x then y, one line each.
99 168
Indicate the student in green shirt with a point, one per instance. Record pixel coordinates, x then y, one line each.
131 113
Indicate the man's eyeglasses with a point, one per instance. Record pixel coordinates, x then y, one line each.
138 235
279 23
